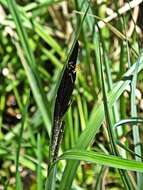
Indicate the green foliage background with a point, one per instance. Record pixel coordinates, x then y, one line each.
104 122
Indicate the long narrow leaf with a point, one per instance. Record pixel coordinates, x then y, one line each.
29 65
103 159
94 123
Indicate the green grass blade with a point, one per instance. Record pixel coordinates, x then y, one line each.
51 181
81 112
132 121
69 131
103 159
124 176
94 123
39 169
136 134
24 114
29 65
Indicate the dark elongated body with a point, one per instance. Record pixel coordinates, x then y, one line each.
62 103
67 85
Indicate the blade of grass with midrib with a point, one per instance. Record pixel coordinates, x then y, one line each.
136 133
123 174
30 66
93 125
102 159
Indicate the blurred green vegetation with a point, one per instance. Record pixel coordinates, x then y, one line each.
105 116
